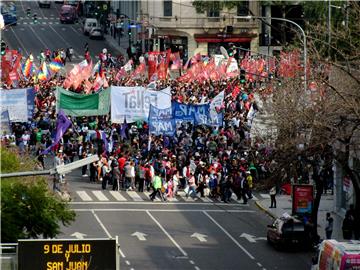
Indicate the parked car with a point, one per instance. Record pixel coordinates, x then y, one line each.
332 254
96 33
286 231
44 4
68 14
89 24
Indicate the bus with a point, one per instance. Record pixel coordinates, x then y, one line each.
8 11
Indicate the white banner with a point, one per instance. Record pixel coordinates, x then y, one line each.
133 103
215 117
15 102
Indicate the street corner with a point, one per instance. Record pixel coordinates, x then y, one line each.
266 210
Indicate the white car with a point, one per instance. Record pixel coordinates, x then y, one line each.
89 24
96 33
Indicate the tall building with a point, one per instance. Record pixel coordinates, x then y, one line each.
177 25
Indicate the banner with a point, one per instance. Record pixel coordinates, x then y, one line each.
161 121
216 118
152 63
10 63
19 103
196 114
74 104
133 103
5 126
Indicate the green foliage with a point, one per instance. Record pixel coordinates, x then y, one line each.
28 208
9 161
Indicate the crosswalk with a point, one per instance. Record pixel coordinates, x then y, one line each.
134 196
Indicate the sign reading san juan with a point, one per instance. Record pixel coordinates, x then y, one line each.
67 254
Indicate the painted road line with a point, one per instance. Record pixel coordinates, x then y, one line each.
147 193
172 199
165 203
106 231
160 210
117 195
84 196
167 234
265 196
99 195
229 235
234 197
136 197
206 199
254 198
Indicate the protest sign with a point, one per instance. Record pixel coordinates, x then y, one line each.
19 103
161 121
196 114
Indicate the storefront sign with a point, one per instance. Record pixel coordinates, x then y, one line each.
302 196
67 254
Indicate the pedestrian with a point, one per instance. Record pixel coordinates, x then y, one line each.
329 226
157 184
348 226
355 216
244 189
249 180
69 53
116 175
272 197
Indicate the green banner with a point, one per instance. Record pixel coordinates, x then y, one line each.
74 104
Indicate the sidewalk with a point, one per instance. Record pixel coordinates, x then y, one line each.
124 44
284 205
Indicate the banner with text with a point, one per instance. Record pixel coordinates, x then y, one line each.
161 121
133 103
196 114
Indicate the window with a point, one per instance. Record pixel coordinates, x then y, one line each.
243 8
168 8
212 12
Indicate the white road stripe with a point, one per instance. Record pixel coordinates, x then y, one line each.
265 196
254 198
117 195
148 195
84 196
99 195
165 203
173 199
136 197
167 234
229 235
160 210
206 199
234 197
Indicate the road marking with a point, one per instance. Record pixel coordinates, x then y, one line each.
106 231
127 262
45 18
199 236
259 264
173 199
117 195
136 197
100 195
254 198
147 193
84 196
159 210
38 37
42 28
229 235
167 234
206 199
160 203
64 29
192 262
197 268
25 23
140 236
44 23
78 235
50 23
265 196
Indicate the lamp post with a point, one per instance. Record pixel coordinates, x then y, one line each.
292 22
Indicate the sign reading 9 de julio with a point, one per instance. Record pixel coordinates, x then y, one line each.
67 254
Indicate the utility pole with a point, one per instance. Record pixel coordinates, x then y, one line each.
329 29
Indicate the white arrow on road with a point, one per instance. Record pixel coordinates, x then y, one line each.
251 238
140 235
199 236
79 235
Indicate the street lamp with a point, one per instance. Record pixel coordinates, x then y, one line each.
289 21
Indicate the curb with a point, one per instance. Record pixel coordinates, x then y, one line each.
259 205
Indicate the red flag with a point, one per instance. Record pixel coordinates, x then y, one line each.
139 71
152 63
10 64
176 61
235 92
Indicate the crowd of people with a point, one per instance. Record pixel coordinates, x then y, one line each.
202 160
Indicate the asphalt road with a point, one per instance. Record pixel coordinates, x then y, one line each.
49 33
184 234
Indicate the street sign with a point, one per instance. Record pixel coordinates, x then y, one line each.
76 164
67 254
303 197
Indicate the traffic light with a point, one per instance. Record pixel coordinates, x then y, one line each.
28 12
3 48
242 76
35 18
129 32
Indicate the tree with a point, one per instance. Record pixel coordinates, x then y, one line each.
28 208
321 125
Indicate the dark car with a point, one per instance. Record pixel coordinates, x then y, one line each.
287 231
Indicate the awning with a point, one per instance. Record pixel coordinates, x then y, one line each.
215 38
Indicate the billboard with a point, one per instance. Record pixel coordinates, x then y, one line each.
86 254
302 199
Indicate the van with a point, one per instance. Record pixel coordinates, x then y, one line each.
89 24
334 255
68 14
